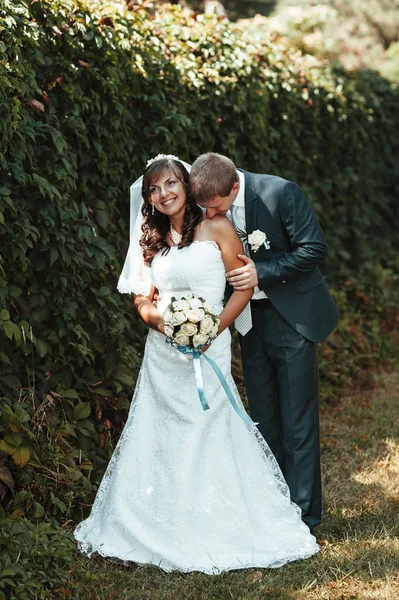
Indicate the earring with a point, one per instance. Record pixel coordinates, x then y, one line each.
152 209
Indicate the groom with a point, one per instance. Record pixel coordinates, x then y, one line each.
290 312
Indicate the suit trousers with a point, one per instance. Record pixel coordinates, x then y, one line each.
280 371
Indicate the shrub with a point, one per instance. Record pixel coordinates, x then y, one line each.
33 558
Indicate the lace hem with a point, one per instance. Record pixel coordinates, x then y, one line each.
275 562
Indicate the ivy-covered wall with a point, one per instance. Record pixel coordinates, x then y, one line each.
87 95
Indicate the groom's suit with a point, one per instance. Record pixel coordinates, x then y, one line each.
279 353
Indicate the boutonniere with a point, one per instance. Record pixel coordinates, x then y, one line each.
258 238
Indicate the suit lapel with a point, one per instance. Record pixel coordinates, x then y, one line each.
251 206
257 215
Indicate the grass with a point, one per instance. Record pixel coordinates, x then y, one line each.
359 536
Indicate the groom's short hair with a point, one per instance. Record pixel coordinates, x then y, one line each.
212 175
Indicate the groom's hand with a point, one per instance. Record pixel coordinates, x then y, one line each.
245 277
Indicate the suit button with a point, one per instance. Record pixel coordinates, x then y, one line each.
283 282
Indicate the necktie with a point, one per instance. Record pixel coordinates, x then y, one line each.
243 322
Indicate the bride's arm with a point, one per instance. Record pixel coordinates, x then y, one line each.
148 311
230 245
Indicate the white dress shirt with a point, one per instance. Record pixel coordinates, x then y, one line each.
239 217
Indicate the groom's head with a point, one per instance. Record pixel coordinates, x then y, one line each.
214 183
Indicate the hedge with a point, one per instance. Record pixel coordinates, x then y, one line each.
87 95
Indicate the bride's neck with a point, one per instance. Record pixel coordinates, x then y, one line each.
177 224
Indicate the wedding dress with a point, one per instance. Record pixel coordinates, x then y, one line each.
188 489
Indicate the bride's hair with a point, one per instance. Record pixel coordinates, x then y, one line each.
156 226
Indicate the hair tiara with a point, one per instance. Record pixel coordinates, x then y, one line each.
161 157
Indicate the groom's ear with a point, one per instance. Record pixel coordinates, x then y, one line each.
234 190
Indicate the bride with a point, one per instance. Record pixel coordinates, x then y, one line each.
188 489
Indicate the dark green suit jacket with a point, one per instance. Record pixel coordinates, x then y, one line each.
288 272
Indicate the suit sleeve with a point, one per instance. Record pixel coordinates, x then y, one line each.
308 246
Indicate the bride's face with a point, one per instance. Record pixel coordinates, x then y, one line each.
168 193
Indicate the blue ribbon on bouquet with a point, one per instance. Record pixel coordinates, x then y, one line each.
200 383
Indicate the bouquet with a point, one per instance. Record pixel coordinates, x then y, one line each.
190 323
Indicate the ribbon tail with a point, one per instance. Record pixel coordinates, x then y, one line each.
243 415
199 381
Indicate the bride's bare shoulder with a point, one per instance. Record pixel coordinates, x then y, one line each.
218 224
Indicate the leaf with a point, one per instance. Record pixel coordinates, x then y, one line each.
86 465
69 394
103 292
12 382
10 449
103 392
102 218
38 510
9 572
4 358
41 347
54 254
85 424
61 505
5 473
11 330
21 456
124 376
58 140
74 474
15 439
97 343
23 416
81 411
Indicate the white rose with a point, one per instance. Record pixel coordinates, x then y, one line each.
214 331
181 339
189 328
210 310
195 303
206 324
167 316
200 339
178 318
169 330
195 315
181 305
257 238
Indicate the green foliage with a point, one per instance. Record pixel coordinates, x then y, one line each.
350 357
33 558
87 94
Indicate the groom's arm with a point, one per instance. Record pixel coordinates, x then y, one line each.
308 246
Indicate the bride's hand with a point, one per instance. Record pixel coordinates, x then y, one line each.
155 297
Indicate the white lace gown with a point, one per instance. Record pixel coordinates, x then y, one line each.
188 489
